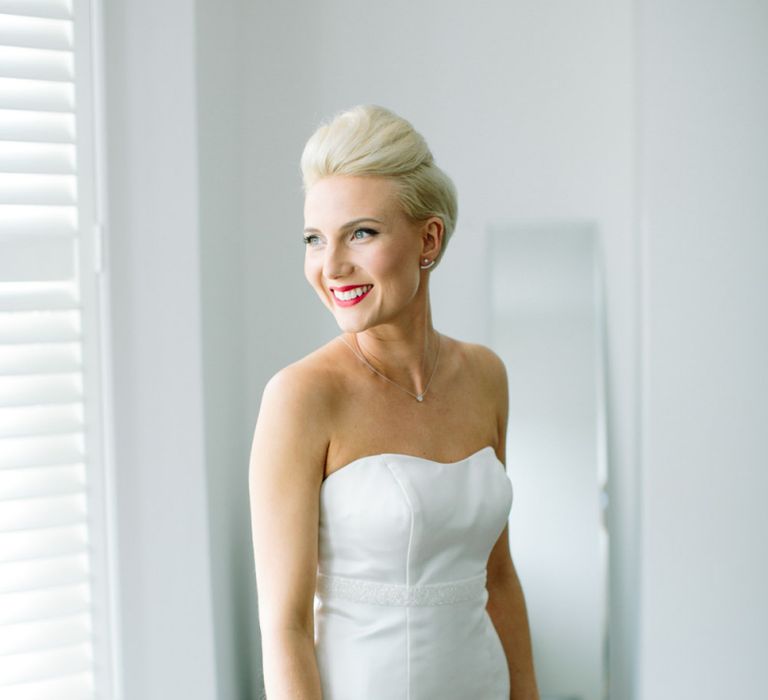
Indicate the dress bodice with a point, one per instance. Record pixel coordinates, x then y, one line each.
403 548
404 519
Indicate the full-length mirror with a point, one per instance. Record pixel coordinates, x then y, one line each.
547 325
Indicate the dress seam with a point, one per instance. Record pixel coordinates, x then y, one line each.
407 583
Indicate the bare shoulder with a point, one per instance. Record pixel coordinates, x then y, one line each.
305 380
489 373
303 392
484 361
313 377
295 417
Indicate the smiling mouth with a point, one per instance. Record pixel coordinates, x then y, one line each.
351 295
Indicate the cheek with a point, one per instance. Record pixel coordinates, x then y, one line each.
395 262
311 269
400 276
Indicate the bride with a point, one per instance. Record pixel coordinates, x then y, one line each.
379 496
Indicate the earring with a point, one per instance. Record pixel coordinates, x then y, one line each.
425 267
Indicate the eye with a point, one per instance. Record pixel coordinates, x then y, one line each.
309 238
368 231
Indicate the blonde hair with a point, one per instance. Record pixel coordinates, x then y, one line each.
372 140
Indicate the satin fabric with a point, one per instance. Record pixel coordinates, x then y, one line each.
400 519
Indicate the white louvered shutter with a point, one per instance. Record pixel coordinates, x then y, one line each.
55 628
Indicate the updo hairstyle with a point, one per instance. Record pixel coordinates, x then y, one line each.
372 140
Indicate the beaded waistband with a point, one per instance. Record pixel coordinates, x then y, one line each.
380 593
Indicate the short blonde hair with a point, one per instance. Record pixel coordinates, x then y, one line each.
372 140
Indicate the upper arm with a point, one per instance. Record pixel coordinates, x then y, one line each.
497 387
501 383
500 565
285 474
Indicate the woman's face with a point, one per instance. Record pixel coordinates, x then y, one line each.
358 236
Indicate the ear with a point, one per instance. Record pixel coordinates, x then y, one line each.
432 232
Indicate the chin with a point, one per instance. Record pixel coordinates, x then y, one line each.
349 328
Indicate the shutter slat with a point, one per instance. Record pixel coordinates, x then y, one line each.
29 220
38 64
27 513
19 576
39 326
78 686
22 668
36 258
37 482
44 389
36 95
35 32
43 543
56 9
48 358
36 420
42 158
24 188
44 634
41 451
43 127
37 605
20 296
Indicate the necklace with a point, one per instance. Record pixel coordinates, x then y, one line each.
418 397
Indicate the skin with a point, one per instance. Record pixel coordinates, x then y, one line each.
326 410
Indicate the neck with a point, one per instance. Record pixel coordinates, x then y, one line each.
406 356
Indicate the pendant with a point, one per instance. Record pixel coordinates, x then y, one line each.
420 397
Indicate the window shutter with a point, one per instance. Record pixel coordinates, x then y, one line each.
55 627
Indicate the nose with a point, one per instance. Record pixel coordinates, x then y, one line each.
335 262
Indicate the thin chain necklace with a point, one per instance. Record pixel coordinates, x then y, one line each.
418 397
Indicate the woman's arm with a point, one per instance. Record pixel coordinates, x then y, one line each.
506 602
506 607
286 470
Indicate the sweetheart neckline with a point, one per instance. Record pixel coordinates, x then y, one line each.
413 457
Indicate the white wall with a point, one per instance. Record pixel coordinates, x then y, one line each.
154 280
532 109
220 123
704 202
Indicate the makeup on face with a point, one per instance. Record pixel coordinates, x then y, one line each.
350 294
356 241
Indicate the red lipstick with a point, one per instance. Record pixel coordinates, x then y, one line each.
349 302
346 287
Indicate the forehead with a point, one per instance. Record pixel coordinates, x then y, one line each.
336 198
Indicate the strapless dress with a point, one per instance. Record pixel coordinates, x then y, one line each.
400 603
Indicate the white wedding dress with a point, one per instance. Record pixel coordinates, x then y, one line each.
400 601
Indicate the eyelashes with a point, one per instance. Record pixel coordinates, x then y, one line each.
309 237
369 231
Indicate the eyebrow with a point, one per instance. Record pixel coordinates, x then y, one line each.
349 224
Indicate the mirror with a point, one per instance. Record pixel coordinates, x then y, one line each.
547 324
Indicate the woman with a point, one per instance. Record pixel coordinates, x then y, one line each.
377 481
